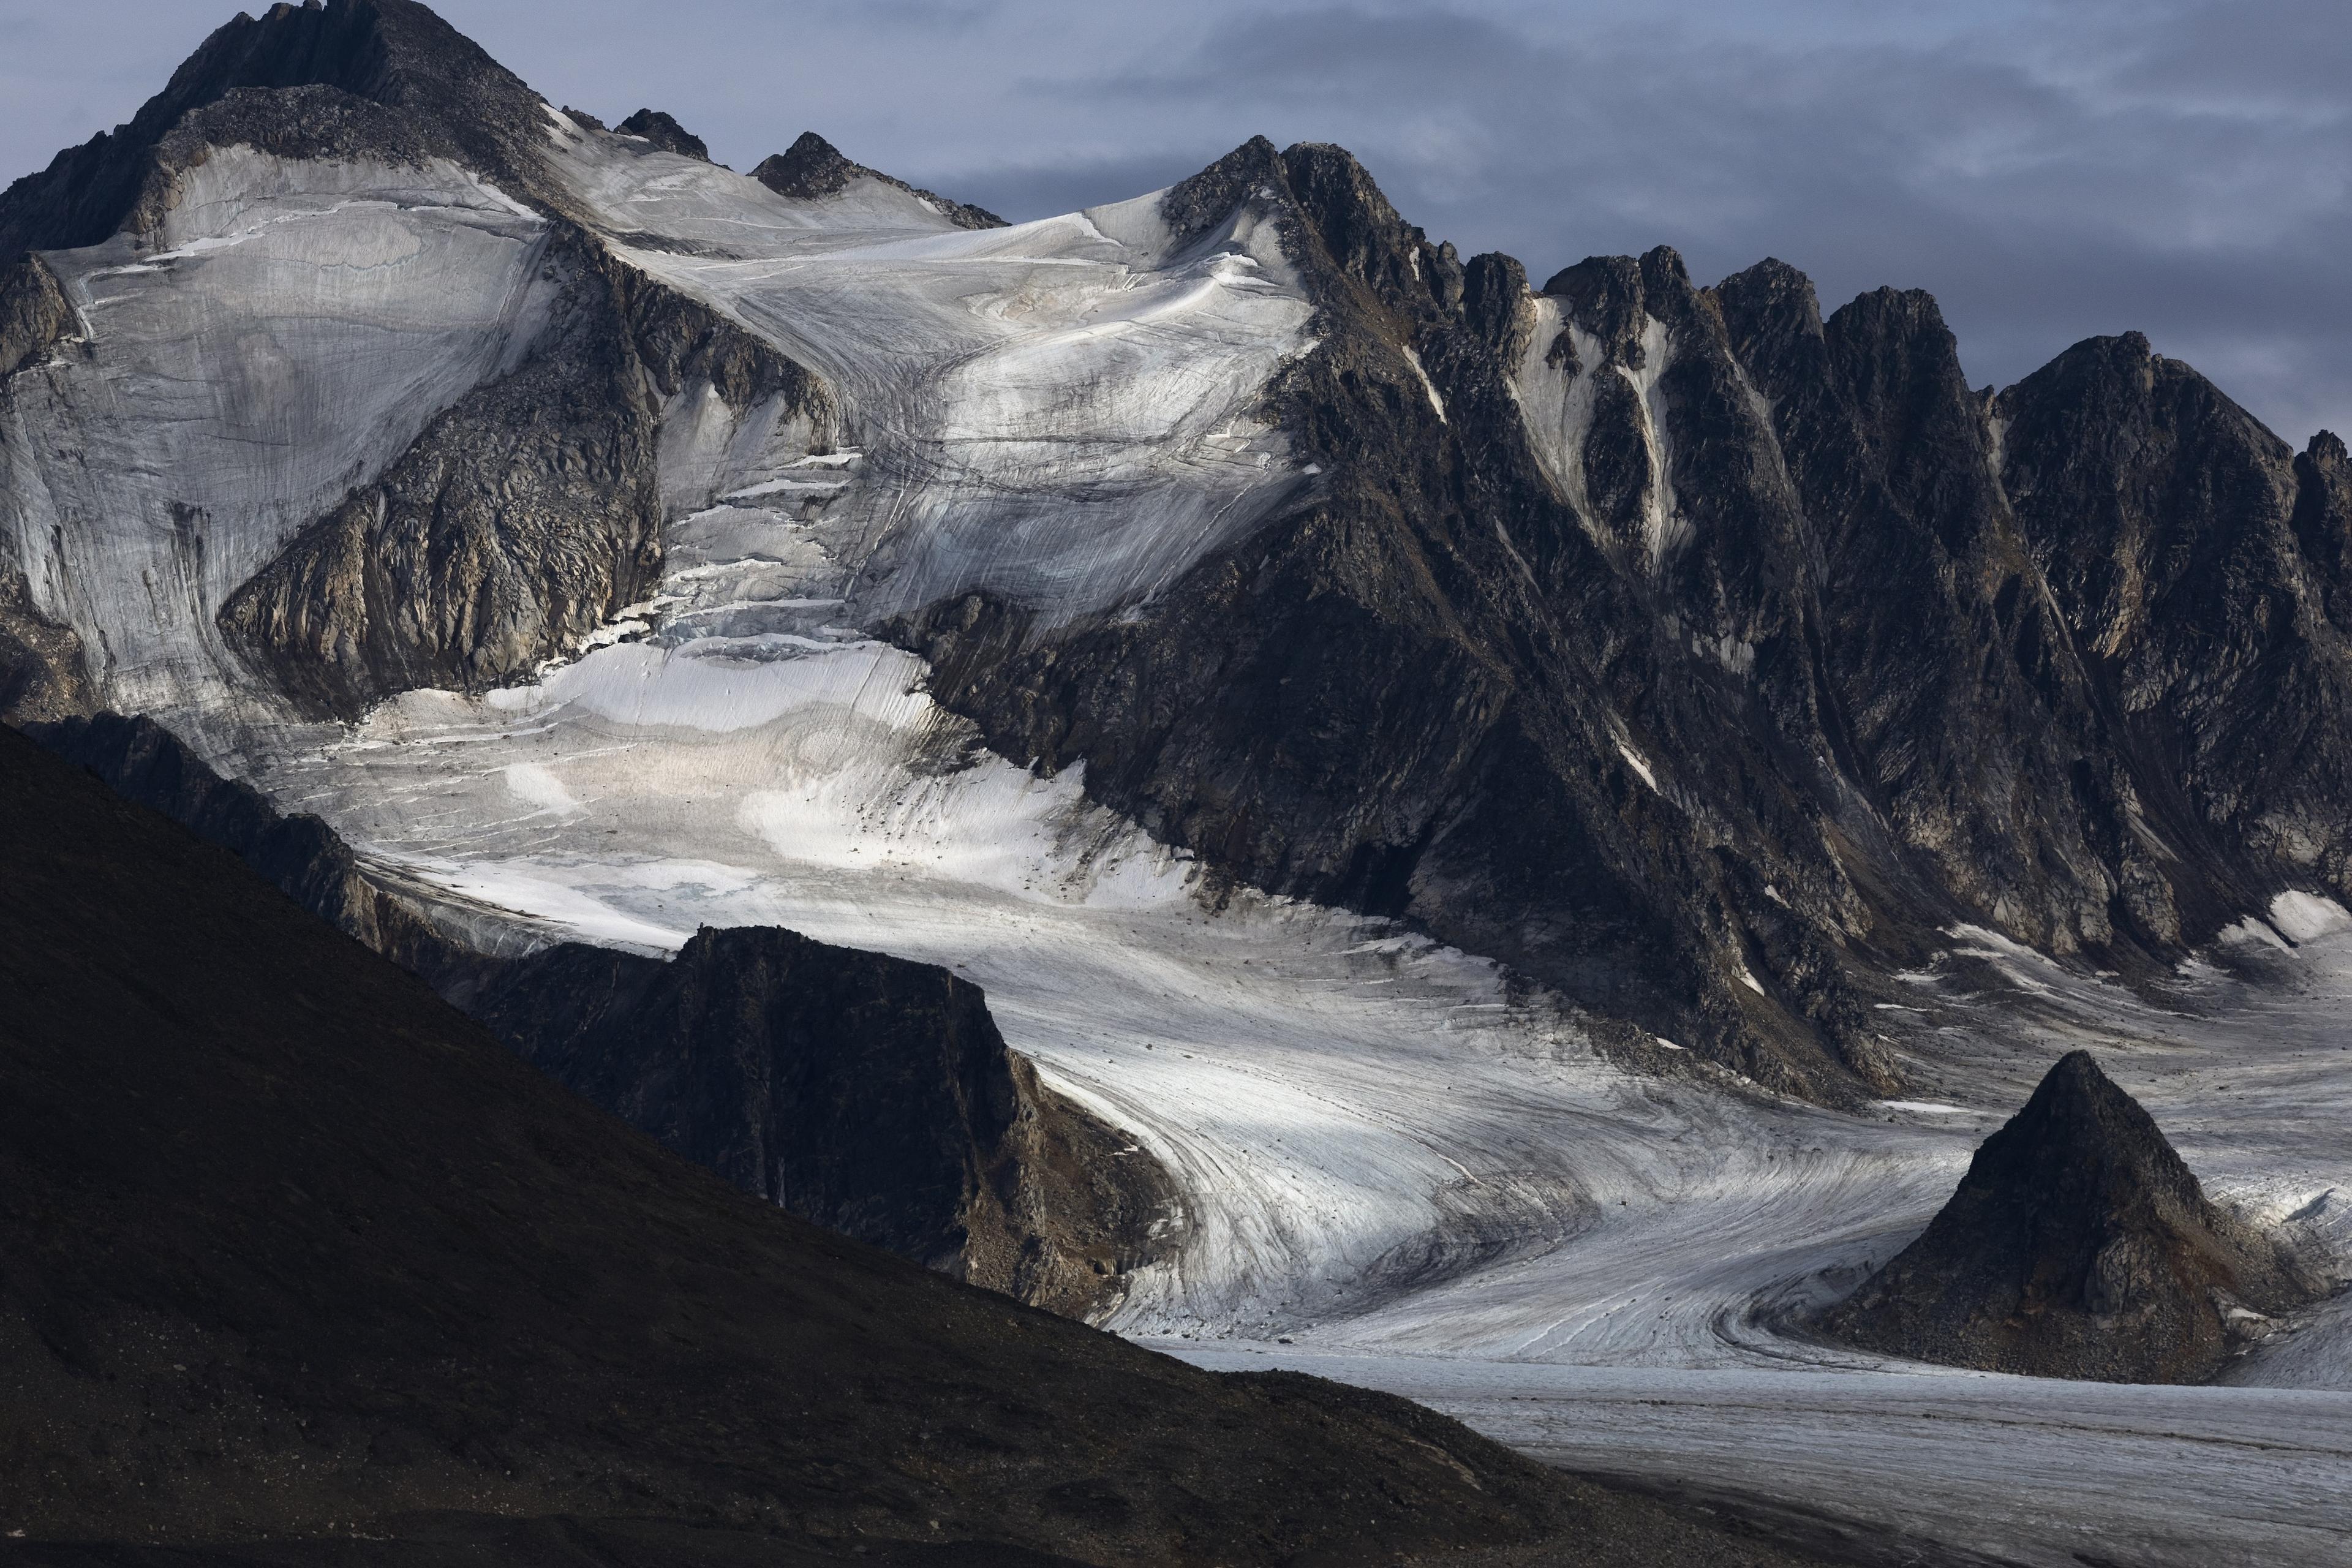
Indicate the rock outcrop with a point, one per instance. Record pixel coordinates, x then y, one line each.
664 134
2078 1244
865 1093
42 676
812 168
869 1094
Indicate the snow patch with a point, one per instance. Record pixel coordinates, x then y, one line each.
1427 385
538 787
2307 916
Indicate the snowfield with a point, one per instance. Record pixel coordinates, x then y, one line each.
1397 1169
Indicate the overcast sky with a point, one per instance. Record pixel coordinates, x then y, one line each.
2049 171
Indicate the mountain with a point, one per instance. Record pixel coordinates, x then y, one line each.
303 1264
1697 655
1531 806
1703 658
664 132
2078 1244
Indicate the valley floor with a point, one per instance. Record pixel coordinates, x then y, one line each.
1402 1172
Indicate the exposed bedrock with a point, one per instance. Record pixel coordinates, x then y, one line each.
812 168
1701 657
869 1094
42 674
2196 563
35 315
664 132
2078 1244
1432 692
523 518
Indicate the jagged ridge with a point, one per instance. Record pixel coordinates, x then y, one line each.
1715 696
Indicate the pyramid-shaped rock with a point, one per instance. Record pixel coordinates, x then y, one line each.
664 132
2078 1244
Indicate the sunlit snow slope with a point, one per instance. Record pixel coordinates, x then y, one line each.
1417 1173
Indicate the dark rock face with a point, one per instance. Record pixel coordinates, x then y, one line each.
1799 649
2323 521
42 676
664 134
1423 693
525 517
2164 520
812 168
296 1253
35 315
868 1094
2078 1246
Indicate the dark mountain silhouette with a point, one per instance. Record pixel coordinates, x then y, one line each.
2078 1244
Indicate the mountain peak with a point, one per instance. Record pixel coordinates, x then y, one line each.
2078 1244
394 53
665 132
812 168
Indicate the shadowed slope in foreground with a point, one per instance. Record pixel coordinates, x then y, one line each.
293 1251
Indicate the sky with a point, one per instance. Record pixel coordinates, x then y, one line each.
2049 171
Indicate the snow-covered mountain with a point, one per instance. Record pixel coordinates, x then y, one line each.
1554 814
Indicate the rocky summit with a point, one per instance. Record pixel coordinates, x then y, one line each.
2078 1244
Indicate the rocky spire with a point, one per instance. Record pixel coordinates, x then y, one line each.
664 132
2079 1244
812 168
